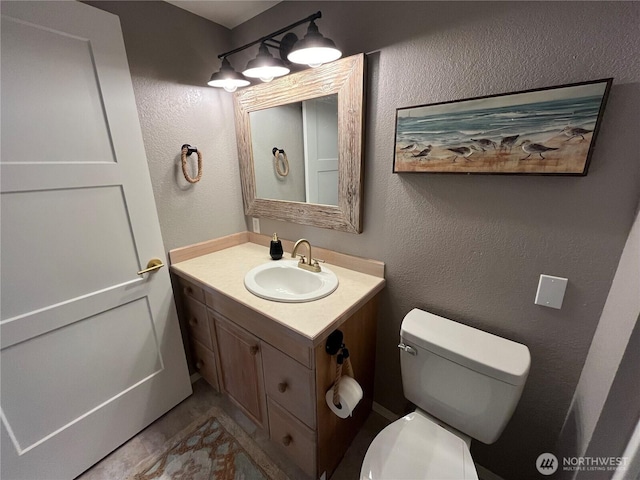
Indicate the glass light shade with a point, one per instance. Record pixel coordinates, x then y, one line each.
227 78
314 49
265 66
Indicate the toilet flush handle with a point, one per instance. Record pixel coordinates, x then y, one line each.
407 348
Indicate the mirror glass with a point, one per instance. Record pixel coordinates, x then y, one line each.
315 120
307 133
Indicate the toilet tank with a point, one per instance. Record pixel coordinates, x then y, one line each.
469 379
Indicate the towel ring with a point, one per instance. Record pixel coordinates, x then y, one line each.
280 161
187 150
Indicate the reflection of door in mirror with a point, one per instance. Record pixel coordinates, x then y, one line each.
308 133
320 120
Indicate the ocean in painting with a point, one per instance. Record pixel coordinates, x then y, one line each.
533 121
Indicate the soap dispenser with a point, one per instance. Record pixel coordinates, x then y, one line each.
276 248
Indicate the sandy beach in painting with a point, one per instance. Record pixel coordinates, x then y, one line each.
569 158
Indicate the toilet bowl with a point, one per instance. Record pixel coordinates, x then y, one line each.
417 448
465 383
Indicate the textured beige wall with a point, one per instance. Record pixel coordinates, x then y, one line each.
472 247
172 54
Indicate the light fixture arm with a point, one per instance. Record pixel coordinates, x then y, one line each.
310 18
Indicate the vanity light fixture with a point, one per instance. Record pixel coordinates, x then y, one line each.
312 50
227 78
265 66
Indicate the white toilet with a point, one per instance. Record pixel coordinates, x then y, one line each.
466 384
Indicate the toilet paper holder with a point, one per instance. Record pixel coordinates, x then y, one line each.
335 346
334 342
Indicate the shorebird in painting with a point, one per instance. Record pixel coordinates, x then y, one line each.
534 149
410 147
508 142
424 152
573 132
465 152
484 143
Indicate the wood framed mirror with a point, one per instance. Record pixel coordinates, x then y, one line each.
269 105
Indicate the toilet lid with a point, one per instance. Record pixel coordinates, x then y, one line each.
415 448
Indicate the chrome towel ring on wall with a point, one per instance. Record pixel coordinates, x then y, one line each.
280 161
187 150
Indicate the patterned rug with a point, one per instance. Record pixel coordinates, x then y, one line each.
215 448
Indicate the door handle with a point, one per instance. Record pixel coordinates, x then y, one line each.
153 265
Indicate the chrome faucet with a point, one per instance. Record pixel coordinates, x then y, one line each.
308 263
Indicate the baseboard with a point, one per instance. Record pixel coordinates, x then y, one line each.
384 412
484 474
195 377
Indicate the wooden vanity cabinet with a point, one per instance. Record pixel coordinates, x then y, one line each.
277 378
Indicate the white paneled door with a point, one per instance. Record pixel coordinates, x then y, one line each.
320 127
91 351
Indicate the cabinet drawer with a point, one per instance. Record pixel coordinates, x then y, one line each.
196 316
295 439
205 363
189 290
290 384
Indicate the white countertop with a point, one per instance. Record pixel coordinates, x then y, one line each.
224 272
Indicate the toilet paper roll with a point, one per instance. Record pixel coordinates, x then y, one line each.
349 394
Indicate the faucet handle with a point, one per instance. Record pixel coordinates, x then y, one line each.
303 259
314 265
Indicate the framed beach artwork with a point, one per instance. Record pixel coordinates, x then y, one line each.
546 131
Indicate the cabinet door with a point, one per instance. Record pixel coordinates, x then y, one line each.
241 368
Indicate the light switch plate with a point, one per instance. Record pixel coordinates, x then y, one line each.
256 224
551 291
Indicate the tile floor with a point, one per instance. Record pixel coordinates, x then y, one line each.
119 464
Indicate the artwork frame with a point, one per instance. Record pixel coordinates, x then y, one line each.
541 131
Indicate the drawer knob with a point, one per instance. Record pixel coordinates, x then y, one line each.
286 440
187 290
254 349
193 321
199 364
282 387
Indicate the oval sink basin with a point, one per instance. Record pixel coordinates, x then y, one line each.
284 281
